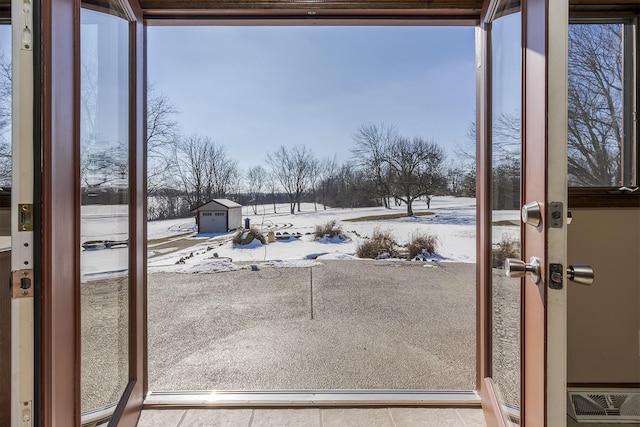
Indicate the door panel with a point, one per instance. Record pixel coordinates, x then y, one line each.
543 174
62 198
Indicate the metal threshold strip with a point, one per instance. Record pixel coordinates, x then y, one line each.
97 415
311 398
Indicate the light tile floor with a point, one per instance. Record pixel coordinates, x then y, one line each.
314 417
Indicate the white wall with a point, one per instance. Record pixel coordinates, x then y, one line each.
235 218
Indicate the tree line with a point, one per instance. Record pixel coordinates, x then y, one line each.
188 171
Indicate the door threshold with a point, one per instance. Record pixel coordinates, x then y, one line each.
311 398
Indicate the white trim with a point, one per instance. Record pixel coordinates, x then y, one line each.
22 325
556 333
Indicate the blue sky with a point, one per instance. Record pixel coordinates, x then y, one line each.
255 88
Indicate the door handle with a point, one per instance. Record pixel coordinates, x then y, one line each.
518 268
581 273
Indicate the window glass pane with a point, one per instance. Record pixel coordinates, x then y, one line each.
506 150
5 131
104 188
596 106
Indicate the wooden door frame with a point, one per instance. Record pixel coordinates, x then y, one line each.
534 240
60 204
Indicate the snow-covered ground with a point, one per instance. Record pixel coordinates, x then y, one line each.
453 222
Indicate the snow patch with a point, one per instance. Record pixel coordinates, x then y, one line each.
290 263
333 240
255 243
337 256
215 265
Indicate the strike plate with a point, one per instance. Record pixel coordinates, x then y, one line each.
25 217
22 284
555 276
556 219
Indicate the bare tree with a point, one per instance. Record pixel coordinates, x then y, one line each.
403 168
292 168
272 186
221 171
162 136
5 120
371 142
191 167
327 171
204 169
314 179
415 169
256 181
595 104
5 91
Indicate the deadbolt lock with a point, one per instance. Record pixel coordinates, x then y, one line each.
531 214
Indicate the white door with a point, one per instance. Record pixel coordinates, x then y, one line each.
213 222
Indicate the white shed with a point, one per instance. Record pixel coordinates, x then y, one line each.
218 216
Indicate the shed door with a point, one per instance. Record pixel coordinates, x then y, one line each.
213 222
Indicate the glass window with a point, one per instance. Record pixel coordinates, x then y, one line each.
5 129
506 155
602 135
104 188
5 106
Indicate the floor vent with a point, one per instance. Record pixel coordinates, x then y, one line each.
604 405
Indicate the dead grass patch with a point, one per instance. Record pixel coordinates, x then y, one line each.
508 247
387 216
422 245
331 229
380 245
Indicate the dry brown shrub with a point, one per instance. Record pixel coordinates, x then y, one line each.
331 229
422 244
378 245
508 247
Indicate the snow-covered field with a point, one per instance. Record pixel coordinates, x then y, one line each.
453 223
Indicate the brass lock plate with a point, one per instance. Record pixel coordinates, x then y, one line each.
25 217
22 284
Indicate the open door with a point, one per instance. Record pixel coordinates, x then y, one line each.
522 214
92 270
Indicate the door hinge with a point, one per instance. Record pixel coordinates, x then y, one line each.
25 217
556 273
22 284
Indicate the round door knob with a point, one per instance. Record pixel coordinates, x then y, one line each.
580 273
518 268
